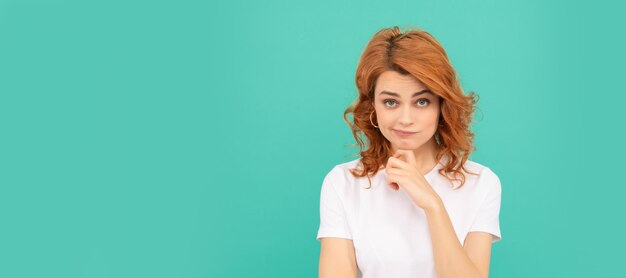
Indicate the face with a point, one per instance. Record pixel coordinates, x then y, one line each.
402 103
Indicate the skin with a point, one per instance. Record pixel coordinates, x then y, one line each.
409 113
413 156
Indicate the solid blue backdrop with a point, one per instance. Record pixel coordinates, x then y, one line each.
191 138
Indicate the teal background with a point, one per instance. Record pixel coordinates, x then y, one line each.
190 138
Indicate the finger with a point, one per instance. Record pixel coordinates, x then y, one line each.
394 162
391 178
410 157
391 182
399 154
393 185
394 178
395 172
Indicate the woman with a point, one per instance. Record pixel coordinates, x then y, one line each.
413 205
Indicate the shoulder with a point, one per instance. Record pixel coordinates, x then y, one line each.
347 166
342 170
340 173
486 176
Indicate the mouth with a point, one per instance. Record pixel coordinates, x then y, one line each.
403 133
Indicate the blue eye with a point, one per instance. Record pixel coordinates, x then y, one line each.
388 100
421 99
424 99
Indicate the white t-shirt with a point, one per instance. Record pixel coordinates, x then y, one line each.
389 232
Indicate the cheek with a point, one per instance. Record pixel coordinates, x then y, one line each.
383 118
434 119
382 115
433 115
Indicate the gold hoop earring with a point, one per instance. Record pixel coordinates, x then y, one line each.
371 120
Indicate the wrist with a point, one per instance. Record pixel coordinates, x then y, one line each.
435 206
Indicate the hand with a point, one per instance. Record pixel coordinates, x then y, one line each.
405 173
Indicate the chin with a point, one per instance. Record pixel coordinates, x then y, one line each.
408 146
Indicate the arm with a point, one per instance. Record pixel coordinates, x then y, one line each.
337 258
452 259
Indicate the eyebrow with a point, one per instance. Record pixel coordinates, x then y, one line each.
425 91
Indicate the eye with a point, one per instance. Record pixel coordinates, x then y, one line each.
425 100
387 101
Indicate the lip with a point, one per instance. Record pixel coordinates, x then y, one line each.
403 133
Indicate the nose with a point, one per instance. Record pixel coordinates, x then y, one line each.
406 119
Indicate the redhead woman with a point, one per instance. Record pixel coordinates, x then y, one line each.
413 204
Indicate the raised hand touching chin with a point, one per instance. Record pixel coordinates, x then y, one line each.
403 171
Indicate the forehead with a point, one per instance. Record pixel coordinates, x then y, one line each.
392 81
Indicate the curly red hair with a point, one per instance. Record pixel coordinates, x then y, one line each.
417 53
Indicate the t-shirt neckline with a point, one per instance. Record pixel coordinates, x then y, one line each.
433 171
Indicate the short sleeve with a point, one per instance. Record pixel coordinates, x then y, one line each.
333 222
488 217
